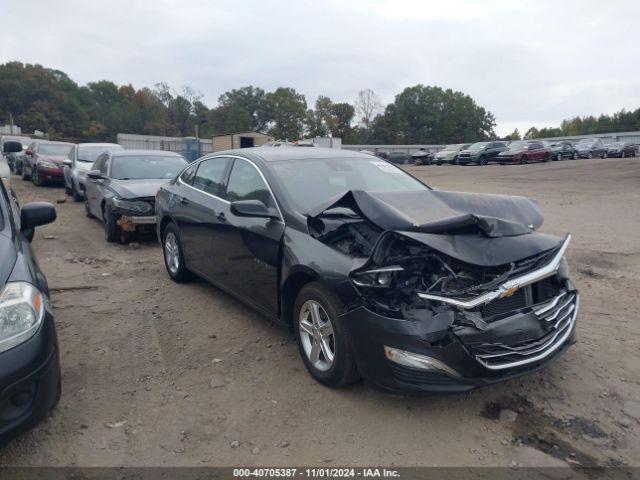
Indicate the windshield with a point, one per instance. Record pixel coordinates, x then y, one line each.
311 182
146 166
89 154
478 145
59 150
587 141
517 145
450 148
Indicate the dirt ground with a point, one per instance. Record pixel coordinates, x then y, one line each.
156 373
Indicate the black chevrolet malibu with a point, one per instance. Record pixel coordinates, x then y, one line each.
379 275
29 364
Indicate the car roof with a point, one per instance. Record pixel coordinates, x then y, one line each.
293 153
51 142
90 144
156 153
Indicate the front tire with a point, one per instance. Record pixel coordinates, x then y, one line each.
622 154
173 256
36 178
482 161
77 197
575 156
605 155
323 340
523 160
559 157
25 177
112 231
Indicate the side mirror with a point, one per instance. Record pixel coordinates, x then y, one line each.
11 147
94 174
252 208
67 162
35 214
28 151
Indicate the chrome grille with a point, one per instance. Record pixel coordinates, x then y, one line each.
558 315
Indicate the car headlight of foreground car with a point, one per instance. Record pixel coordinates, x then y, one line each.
22 309
133 206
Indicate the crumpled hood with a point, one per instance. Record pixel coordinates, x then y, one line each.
138 188
442 212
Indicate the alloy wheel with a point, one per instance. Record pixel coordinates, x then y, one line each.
316 334
172 252
559 157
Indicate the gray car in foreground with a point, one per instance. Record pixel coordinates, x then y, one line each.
80 161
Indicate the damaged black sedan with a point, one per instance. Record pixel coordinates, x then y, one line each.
379 275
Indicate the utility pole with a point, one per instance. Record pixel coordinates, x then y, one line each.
10 123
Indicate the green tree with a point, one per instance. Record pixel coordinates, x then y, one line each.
532 133
515 135
423 114
287 110
253 101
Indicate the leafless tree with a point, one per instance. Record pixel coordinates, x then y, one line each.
367 106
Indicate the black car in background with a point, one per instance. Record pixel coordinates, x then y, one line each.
591 147
622 149
121 189
29 361
480 153
14 159
379 275
562 149
401 158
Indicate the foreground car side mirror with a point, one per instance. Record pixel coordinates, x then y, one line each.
94 175
35 214
67 162
28 152
252 208
11 147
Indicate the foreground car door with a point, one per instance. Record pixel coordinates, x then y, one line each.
196 208
250 246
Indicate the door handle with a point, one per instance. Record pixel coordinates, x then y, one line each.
184 201
222 217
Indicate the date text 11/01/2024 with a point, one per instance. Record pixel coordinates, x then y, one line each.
316 472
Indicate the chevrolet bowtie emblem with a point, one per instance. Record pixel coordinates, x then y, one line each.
510 291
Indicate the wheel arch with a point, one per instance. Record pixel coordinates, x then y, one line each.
294 282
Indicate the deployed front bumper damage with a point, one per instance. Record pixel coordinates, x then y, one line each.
458 302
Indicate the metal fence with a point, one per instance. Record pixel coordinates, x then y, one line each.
189 147
394 148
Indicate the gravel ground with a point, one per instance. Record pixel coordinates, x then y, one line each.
156 373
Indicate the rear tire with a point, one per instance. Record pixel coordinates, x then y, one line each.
605 155
523 160
590 155
323 336
173 256
25 177
112 231
546 157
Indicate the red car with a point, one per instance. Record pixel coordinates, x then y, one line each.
44 162
524 152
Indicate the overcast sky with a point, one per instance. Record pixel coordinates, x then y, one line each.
528 62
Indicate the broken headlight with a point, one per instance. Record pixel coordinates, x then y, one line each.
21 313
142 208
384 277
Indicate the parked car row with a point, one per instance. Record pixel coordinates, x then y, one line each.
518 151
330 244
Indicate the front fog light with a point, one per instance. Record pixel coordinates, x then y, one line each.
417 361
21 313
